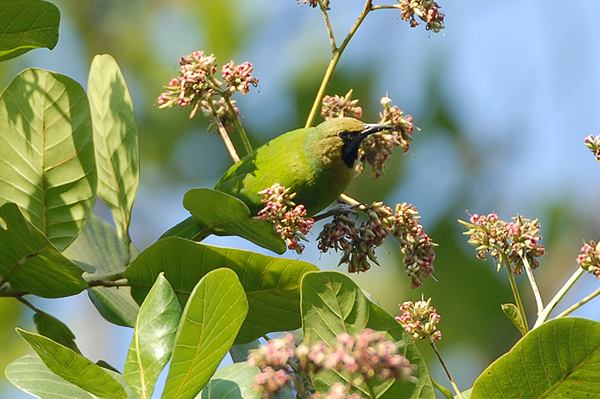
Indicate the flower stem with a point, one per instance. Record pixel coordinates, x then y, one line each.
534 287
543 316
439 356
515 290
224 135
337 53
328 23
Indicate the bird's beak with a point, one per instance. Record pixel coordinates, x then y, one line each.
371 128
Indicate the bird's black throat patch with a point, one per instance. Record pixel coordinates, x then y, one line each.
350 148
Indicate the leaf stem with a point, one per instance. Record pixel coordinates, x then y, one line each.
543 316
580 303
337 53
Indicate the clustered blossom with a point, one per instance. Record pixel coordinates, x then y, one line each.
589 259
420 320
377 148
239 77
512 241
593 143
359 244
292 224
366 356
337 106
198 87
314 3
427 10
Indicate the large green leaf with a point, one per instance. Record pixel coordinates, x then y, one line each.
559 359
333 304
74 368
30 263
26 25
153 338
99 249
47 161
218 213
115 139
210 322
271 284
31 375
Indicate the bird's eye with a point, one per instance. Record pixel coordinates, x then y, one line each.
344 135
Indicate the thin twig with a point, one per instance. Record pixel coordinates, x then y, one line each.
224 135
328 23
515 290
337 53
439 356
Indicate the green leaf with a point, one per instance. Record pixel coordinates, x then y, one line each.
561 358
235 382
31 375
49 326
115 139
74 368
271 284
209 324
47 161
153 338
333 304
30 263
99 248
26 25
222 214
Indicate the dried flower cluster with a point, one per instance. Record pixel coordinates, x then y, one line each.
420 320
198 87
292 224
589 259
427 10
377 148
358 244
593 143
338 107
367 356
511 242
314 3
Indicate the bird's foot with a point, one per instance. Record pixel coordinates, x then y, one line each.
337 210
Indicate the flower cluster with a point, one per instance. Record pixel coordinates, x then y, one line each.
366 356
314 3
593 143
292 224
512 242
197 86
337 107
589 259
427 10
377 148
239 77
358 244
420 320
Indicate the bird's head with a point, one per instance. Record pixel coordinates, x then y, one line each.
338 139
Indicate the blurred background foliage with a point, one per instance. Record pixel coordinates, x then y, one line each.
504 97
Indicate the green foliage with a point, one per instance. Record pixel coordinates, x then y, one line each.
209 324
153 338
30 263
561 358
46 136
26 25
115 139
271 284
333 304
49 326
219 213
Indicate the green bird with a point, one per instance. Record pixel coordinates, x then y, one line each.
315 163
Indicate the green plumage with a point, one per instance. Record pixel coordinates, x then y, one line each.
315 163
